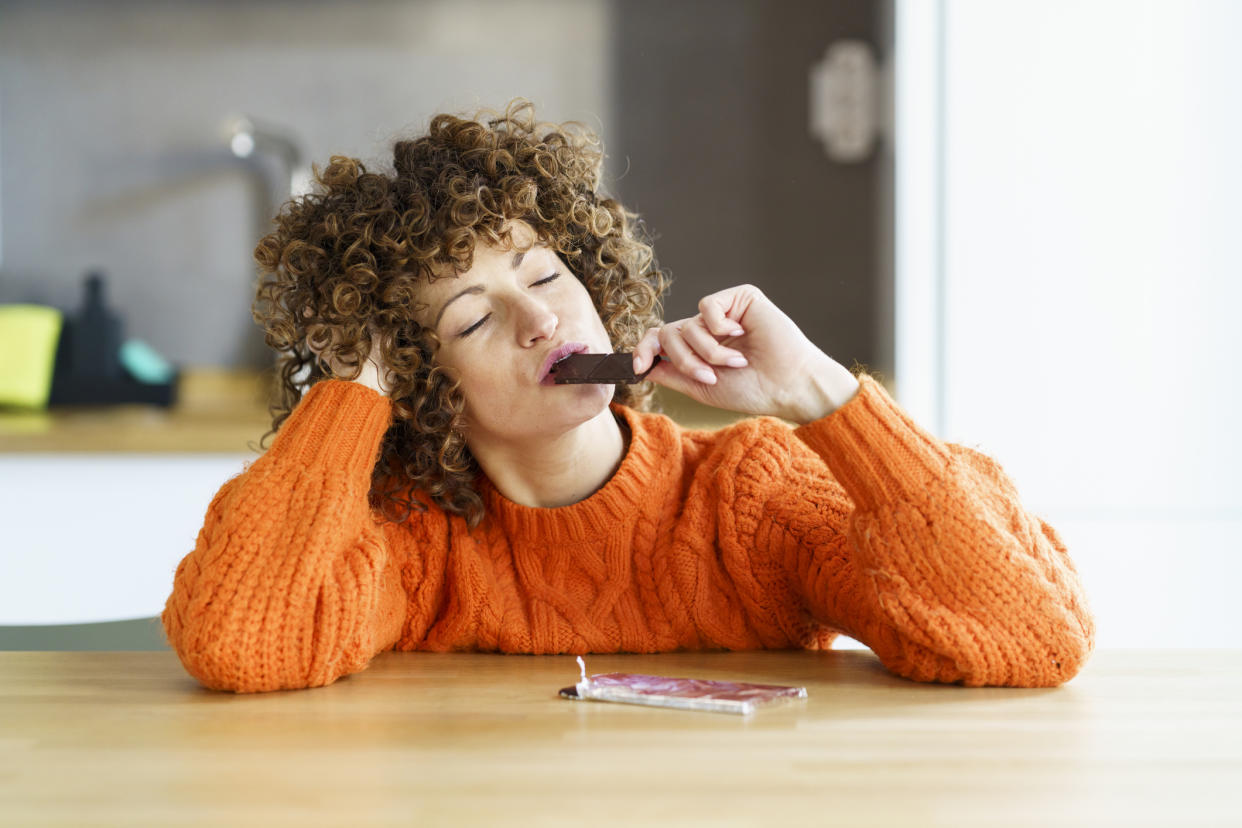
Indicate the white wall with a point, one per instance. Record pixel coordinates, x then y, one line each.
1069 282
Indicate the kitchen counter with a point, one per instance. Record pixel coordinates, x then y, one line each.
218 411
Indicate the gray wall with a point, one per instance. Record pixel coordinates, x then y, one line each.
112 155
712 102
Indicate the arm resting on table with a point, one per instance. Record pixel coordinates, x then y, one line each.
936 565
291 583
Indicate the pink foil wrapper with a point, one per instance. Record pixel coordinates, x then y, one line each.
682 693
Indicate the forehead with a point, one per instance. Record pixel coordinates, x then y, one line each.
487 256
445 282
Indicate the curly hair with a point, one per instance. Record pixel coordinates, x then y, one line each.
346 261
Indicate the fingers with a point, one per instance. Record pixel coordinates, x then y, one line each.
706 347
646 349
690 346
715 315
684 358
693 345
324 340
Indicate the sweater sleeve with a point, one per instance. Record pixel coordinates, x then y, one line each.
290 583
933 562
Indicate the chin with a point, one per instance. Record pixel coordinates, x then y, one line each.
581 403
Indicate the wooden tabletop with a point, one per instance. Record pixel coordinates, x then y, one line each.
128 738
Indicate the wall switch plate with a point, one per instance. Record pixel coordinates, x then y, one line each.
844 89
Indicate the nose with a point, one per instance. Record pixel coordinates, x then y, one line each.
535 321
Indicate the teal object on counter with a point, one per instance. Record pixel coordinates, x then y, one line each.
145 364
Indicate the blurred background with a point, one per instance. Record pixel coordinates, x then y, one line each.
1020 217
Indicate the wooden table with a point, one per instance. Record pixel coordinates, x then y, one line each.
128 738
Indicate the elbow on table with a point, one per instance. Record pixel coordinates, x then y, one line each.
1074 648
223 671
224 668
1050 661
223 662
1048 655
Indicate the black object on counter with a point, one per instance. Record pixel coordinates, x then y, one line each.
88 363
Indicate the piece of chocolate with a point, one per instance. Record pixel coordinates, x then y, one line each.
602 368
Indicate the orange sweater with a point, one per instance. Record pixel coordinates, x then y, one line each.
757 535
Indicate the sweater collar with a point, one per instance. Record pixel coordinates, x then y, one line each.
637 482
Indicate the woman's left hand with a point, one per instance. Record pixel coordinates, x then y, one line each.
742 353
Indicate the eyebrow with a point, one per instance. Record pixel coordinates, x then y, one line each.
476 289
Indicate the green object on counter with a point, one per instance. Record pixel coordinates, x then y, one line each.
29 335
145 364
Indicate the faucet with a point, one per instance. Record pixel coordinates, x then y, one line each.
253 142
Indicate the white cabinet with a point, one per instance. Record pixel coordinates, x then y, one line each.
97 537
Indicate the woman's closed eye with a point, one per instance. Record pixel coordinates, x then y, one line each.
479 324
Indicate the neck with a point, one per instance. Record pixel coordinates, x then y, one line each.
560 471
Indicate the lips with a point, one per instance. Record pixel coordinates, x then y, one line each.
557 354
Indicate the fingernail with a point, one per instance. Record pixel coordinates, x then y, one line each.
738 332
705 376
737 362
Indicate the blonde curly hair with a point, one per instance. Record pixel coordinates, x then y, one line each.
346 261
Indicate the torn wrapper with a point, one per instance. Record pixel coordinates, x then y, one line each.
683 693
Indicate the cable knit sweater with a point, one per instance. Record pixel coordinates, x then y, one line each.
756 535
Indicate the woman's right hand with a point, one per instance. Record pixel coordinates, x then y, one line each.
374 373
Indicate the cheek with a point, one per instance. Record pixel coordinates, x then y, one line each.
484 381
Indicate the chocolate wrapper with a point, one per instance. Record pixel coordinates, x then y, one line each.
682 693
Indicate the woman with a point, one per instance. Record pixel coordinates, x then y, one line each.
434 491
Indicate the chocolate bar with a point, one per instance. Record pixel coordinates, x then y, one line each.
603 368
